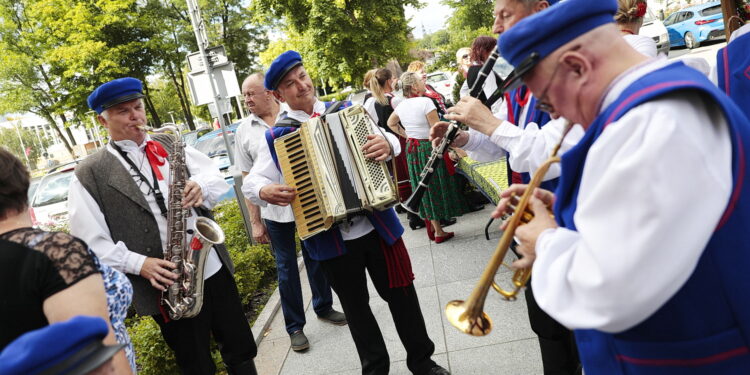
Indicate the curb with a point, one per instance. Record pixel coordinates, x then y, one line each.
263 322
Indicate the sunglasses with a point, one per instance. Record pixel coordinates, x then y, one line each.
465 56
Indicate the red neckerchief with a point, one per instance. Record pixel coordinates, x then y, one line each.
627 31
523 101
156 155
315 114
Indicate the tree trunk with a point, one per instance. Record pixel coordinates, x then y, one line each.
181 94
47 116
150 105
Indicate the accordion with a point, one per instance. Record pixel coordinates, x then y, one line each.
324 162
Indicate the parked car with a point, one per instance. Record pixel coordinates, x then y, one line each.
49 206
655 29
192 136
443 84
212 144
33 184
694 25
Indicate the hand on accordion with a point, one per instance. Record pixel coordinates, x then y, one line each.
376 148
278 194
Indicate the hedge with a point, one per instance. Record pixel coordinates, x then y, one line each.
255 270
335 96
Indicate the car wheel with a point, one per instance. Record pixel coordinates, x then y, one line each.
690 41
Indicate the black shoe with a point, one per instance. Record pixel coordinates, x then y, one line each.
447 223
399 209
299 341
476 207
334 317
415 222
437 370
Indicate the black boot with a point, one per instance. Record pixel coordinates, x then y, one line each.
244 368
415 222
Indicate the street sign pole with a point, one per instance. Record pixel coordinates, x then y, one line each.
202 38
220 103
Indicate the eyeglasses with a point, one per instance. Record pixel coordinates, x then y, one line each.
465 56
542 102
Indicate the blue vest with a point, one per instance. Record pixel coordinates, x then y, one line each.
733 64
541 118
705 327
330 244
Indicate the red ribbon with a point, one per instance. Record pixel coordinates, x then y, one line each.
315 114
156 155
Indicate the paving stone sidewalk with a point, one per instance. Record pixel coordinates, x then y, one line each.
443 272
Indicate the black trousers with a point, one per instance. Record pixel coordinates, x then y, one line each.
346 274
221 316
557 343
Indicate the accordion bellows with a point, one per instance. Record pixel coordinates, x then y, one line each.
323 161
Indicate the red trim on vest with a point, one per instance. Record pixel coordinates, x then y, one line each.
737 186
726 69
641 93
743 350
388 231
511 117
523 101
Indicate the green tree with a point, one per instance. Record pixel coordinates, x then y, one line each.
29 144
340 40
470 14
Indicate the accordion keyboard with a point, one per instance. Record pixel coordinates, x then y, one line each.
299 173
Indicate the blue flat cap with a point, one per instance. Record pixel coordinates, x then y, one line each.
115 92
70 347
535 37
280 67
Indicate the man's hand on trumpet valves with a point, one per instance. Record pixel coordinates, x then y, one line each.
540 204
473 113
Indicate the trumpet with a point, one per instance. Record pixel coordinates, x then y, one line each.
469 316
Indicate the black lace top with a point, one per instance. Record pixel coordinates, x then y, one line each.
29 277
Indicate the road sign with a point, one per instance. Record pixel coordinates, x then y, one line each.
217 56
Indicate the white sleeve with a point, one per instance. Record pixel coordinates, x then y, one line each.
370 108
528 148
649 201
481 148
242 156
207 175
87 223
464 89
264 173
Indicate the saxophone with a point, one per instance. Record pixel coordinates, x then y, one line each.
184 298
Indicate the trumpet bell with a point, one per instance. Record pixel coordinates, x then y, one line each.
480 325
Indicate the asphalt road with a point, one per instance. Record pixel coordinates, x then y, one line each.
706 51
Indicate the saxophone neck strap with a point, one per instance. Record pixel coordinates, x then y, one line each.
158 195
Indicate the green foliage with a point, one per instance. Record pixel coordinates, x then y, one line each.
340 40
9 140
446 53
470 14
334 96
153 356
254 264
457 87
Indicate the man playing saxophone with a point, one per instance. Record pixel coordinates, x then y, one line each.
118 204
645 257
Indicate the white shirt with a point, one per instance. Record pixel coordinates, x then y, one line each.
250 136
528 145
652 191
490 85
413 115
265 172
87 221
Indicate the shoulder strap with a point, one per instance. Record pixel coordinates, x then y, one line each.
288 122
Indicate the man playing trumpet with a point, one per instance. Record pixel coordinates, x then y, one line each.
623 262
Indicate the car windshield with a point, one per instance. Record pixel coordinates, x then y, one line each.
437 78
710 11
215 146
53 189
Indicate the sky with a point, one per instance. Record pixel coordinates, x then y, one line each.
433 16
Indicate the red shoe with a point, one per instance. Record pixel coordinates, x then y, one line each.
441 239
430 231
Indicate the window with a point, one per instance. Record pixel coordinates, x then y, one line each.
710 11
670 20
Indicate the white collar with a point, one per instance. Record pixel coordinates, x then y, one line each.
302 116
128 145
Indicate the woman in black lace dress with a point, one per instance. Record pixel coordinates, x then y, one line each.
44 277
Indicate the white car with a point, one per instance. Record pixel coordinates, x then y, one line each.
654 28
49 206
442 83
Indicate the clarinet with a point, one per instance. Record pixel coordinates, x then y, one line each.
412 203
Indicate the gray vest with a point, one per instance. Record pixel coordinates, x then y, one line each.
129 217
